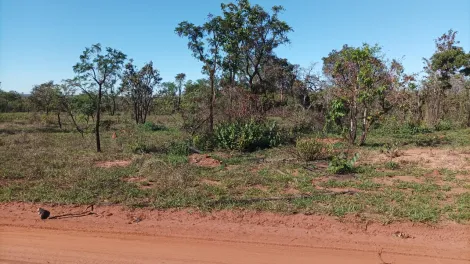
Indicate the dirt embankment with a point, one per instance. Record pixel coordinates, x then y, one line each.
113 234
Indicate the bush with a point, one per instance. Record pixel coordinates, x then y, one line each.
178 148
310 149
149 126
342 165
391 165
203 142
443 125
247 136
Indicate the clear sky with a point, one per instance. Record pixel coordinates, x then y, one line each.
40 40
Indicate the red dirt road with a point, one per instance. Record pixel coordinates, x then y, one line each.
117 235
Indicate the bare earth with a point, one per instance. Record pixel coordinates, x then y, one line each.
118 235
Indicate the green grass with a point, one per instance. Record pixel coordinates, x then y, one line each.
42 163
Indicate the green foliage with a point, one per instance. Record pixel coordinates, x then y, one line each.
150 126
391 165
430 141
13 102
342 165
247 136
180 148
444 125
310 149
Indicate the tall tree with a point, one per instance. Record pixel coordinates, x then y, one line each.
448 60
205 43
250 35
180 78
96 69
139 86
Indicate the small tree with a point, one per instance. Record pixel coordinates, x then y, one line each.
139 86
66 100
44 96
96 70
362 80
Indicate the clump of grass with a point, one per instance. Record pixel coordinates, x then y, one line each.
391 165
150 126
310 149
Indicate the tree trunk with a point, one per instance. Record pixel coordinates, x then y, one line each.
97 126
365 128
353 121
179 99
58 120
211 107
113 109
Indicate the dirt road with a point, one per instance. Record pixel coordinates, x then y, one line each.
116 235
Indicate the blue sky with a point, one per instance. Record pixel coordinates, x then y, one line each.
40 40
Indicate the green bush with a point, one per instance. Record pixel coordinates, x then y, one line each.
178 148
391 165
149 126
342 165
247 136
310 149
443 125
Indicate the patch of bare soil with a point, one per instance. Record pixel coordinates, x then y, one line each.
115 163
204 161
114 234
389 181
429 158
330 140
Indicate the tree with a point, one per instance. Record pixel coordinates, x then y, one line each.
205 43
250 36
180 78
13 102
44 96
362 80
167 96
139 86
67 97
96 70
448 61
112 94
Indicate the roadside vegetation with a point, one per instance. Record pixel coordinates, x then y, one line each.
361 137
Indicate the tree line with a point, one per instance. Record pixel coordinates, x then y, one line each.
358 87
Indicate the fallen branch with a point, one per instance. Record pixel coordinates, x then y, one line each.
71 215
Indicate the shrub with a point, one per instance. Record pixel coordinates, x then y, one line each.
149 126
310 149
342 165
178 148
247 136
391 165
443 125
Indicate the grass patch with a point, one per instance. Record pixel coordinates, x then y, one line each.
41 163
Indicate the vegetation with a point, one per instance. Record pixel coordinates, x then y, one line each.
268 134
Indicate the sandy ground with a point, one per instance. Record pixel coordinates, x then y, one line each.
117 235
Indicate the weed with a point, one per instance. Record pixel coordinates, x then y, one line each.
342 165
391 165
310 149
